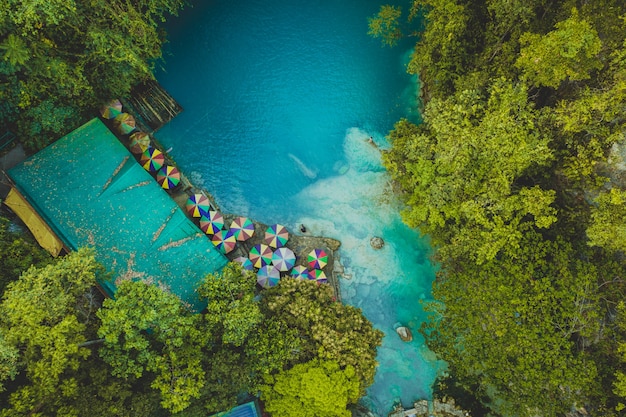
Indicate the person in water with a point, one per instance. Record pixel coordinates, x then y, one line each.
302 228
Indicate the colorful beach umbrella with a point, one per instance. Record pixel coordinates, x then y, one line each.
243 228
224 240
318 275
276 235
124 123
139 142
300 272
268 276
198 205
169 177
245 263
317 259
260 255
284 259
152 159
111 109
212 223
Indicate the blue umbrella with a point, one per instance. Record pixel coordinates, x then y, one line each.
268 276
284 259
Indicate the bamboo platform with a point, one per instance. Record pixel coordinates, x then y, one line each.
152 105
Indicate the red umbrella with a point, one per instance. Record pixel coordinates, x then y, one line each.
318 275
317 259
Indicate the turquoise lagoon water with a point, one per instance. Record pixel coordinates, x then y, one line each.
280 97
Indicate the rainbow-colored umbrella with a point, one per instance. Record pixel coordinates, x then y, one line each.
139 142
245 263
276 235
317 259
152 159
168 176
268 276
300 272
318 276
243 228
284 259
198 205
124 123
224 240
212 223
111 109
260 255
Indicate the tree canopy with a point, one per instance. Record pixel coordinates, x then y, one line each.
516 173
62 59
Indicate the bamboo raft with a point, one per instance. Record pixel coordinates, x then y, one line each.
152 105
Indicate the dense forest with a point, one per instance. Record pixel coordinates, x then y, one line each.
64 349
517 175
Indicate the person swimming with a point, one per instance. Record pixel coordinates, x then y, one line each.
302 228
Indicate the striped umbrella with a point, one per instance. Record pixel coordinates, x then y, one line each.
317 259
224 240
260 255
276 235
318 276
168 177
212 223
284 259
300 272
111 109
243 228
268 276
139 142
152 159
245 263
198 205
124 123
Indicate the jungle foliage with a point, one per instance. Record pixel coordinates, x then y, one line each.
59 59
64 351
517 174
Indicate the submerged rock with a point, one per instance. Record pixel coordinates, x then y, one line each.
404 332
377 242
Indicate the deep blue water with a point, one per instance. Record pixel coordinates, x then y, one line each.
280 97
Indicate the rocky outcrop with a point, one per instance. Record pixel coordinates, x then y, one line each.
377 242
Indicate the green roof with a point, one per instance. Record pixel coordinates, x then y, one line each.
91 191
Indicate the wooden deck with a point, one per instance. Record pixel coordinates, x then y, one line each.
152 105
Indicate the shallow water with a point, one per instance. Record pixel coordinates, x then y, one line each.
279 101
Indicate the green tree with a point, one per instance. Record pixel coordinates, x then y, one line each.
45 315
329 330
18 252
146 329
231 304
568 52
462 170
298 392
64 58
509 328
385 25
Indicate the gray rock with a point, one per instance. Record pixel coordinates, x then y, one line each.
377 242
